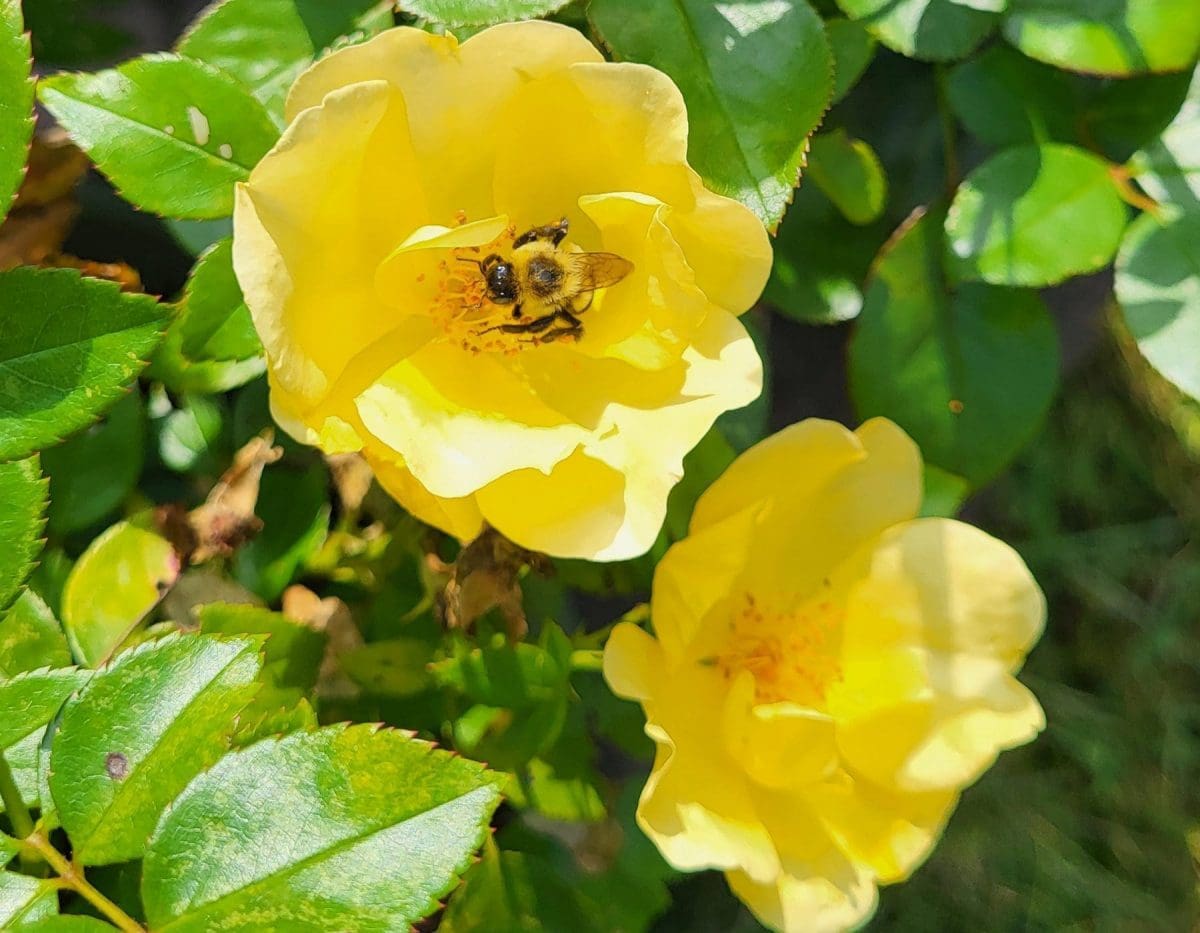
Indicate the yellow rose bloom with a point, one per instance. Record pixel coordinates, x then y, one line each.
828 673
366 242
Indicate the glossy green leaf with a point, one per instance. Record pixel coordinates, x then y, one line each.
30 701
970 375
1158 287
849 173
1006 98
67 923
480 12
821 261
215 324
344 828
9 847
1169 167
931 30
1033 216
16 101
24 900
853 48
93 471
1110 37
519 893
174 135
113 586
23 493
265 44
757 78
294 507
139 731
31 638
195 436
69 346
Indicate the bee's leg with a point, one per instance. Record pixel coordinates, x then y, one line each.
555 233
537 325
574 331
516 312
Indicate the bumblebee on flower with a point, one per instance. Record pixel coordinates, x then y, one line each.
531 336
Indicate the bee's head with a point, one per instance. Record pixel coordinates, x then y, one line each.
501 279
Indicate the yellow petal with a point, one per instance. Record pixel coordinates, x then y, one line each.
891 833
407 276
457 517
697 807
628 134
830 896
460 421
633 662
456 98
916 721
825 491
305 263
781 745
948 587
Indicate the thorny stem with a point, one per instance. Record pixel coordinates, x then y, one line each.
72 877
14 806
949 129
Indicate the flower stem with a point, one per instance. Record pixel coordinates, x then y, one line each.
1129 194
14 806
72 877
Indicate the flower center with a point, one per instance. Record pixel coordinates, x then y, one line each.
461 305
794 654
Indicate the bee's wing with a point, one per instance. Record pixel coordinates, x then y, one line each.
598 270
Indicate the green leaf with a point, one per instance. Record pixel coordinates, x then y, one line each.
294 508
29 702
849 172
92 472
757 78
396 667
930 30
291 657
138 732
1110 37
853 48
265 44
821 261
944 493
1158 287
1034 216
969 375
480 12
113 586
519 893
195 437
174 135
502 674
9 847
272 835
1169 167
16 101
216 323
24 900
68 346
1006 99
31 638
67 923
23 493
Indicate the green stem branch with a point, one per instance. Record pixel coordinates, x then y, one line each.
949 129
72 877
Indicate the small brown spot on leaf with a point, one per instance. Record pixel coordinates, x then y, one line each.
117 766
955 406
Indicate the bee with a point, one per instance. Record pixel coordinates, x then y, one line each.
539 274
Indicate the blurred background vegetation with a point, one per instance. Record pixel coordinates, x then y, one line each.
1096 826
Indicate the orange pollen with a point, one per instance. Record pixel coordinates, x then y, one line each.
794 655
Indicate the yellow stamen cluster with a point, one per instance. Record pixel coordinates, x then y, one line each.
793 654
